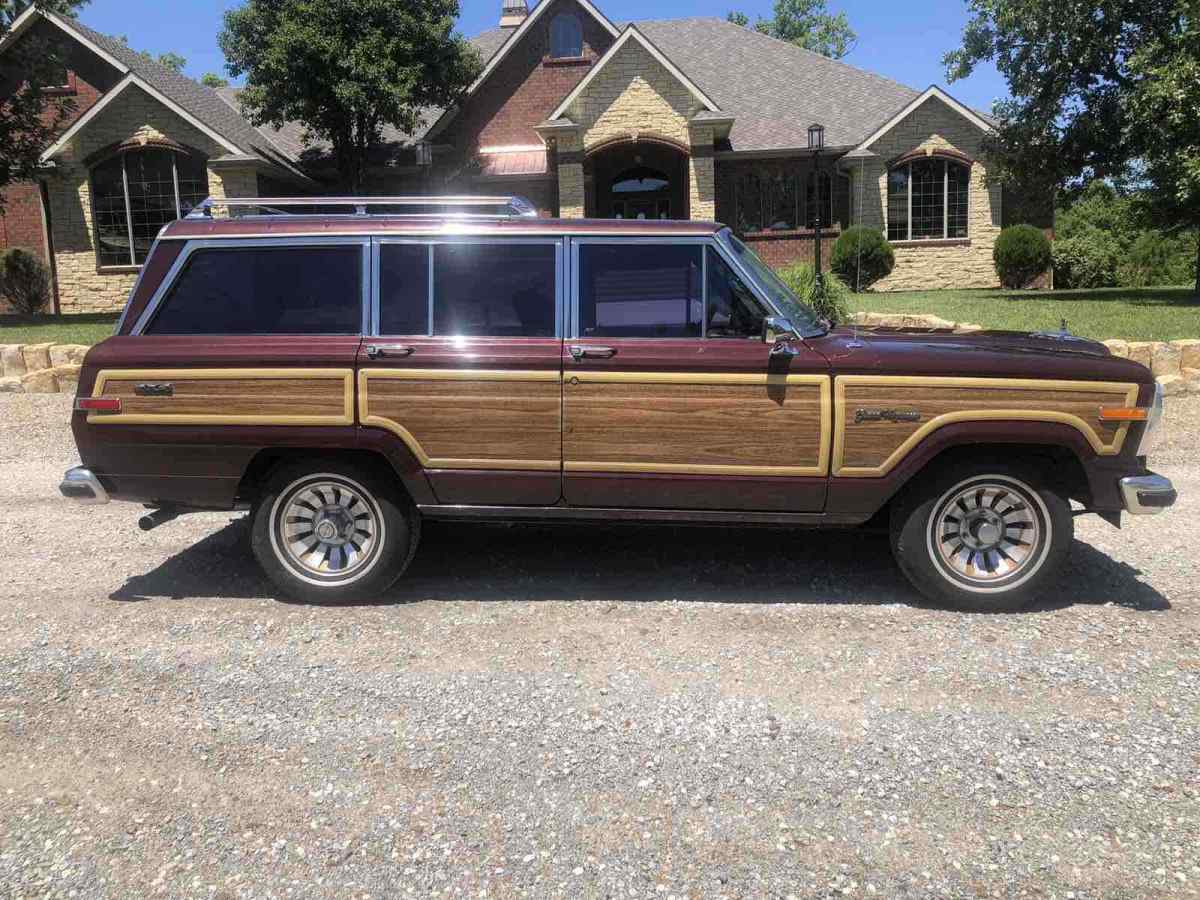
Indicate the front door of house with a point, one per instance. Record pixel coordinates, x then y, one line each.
671 398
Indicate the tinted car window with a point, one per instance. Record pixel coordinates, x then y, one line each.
266 290
640 290
732 310
404 289
494 289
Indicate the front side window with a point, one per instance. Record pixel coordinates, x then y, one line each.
136 193
730 308
566 37
265 290
640 290
927 200
496 289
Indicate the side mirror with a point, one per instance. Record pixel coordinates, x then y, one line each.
777 329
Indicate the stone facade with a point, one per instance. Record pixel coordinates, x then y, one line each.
925 265
85 286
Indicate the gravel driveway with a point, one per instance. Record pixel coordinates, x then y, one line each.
586 712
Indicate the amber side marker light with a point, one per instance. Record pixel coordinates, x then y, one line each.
99 404
1123 414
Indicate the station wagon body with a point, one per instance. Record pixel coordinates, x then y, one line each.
347 375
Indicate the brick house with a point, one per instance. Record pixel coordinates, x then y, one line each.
675 118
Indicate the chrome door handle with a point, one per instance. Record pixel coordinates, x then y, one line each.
578 352
374 351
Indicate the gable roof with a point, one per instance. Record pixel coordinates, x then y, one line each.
193 101
931 92
632 35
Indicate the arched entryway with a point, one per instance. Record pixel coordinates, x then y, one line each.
642 179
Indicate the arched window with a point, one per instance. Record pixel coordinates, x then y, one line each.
927 200
135 193
566 37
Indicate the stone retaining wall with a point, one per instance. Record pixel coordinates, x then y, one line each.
40 368
1176 364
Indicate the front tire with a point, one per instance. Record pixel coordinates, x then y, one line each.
981 537
330 532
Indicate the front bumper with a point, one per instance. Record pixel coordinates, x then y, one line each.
82 485
1145 495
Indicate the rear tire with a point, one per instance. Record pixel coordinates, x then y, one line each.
331 532
983 537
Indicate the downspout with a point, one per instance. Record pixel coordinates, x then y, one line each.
48 243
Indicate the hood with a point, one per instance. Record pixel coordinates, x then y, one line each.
998 354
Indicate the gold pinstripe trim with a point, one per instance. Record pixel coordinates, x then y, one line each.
196 374
695 378
1126 391
459 375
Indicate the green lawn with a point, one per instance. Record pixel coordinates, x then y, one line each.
1140 314
88 329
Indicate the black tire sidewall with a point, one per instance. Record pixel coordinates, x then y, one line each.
401 529
909 538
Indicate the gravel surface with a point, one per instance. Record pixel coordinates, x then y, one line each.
586 712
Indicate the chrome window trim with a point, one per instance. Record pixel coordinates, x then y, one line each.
701 241
137 282
432 241
196 244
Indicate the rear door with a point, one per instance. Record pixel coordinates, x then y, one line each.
463 363
671 397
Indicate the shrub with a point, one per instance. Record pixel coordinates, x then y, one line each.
861 257
1022 253
24 281
802 279
1156 258
1086 260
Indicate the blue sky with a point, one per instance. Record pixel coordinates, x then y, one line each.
904 41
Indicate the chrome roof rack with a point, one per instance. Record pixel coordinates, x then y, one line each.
491 206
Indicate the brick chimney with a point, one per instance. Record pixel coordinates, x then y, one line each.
513 12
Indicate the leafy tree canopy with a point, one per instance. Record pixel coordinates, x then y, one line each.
213 80
29 118
805 23
1098 90
347 68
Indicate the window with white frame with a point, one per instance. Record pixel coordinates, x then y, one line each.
927 200
135 193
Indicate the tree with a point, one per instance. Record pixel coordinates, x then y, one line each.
805 23
346 68
213 80
1103 91
29 117
172 61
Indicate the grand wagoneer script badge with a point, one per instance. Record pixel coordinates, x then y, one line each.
886 415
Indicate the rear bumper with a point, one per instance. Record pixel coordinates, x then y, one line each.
83 486
1145 495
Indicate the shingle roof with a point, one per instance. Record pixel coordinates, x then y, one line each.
202 102
773 89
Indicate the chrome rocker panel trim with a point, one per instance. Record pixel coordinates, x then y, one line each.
1145 495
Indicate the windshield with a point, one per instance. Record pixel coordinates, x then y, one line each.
788 304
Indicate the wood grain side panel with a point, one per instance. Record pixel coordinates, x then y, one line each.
230 396
746 428
874 447
465 423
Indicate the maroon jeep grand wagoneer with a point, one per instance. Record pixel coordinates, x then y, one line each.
347 368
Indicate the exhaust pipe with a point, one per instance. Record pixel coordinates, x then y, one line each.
160 516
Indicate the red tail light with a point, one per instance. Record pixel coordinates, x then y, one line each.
99 404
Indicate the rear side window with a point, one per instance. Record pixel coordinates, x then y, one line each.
265 290
498 289
640 290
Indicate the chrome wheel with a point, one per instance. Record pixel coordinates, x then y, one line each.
989 533
327 529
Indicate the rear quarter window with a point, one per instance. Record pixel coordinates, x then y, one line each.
265 290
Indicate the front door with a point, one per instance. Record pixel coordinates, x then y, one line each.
671 398
463 364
